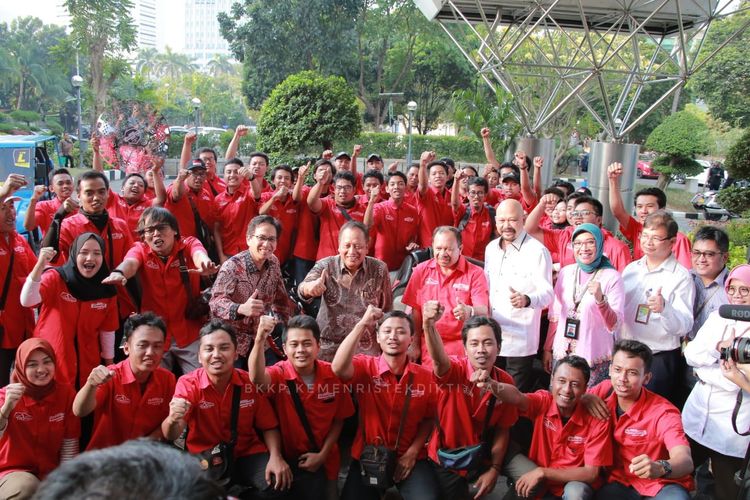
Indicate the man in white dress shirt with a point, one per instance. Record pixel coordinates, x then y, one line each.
659 295
519 274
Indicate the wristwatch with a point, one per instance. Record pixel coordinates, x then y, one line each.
666 466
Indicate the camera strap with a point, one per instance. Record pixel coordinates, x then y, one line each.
736 412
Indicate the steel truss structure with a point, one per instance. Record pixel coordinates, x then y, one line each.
620 59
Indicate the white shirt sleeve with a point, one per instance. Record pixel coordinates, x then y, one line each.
30 295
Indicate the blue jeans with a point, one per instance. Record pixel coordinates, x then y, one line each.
621 492
420 485
574 490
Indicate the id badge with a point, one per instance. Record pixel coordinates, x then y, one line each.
571 328
642 314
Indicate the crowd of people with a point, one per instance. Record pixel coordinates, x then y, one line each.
250 319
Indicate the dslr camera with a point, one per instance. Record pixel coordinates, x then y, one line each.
739 351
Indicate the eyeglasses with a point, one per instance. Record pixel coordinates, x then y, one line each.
265 239
476 193
587 244
198 173
653 239
343 187
581 213
742 291
148 231
709 255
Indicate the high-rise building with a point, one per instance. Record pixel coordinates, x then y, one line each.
202 36
144 18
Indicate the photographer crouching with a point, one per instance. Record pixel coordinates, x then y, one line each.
716 416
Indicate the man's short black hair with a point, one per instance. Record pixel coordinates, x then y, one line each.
635 349
345 175
208 150
513 167
302 322
476 172
479 181
136 174
556 191
91 175
158 215
573 196
263 219
567 186
661 198
146 319
575 362
235 161
398 174
151 471
713 233
476 322
354 224
398 314
661 218
261 154
375 174
284 167
598 207
58 171
438 163
448 229
214 325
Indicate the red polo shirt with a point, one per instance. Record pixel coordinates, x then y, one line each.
477 233
129 213
462 408
331 220
435 210
394 228
214 186
234 212
163 291
381 397
45 210
583 440
34 435
652 426
560 241
184 212
287 213
210 413
17 321
308 227
326 401
681 248
126 411
466 284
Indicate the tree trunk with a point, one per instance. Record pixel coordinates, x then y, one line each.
664 179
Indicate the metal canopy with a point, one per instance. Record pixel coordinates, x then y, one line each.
619 59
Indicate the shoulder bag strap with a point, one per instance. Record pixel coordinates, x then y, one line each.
487 417
111 247
405 410
464 220
345 213
8 277
235 413
196 214
184 274
291 384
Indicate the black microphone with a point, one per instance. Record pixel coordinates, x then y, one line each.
739 313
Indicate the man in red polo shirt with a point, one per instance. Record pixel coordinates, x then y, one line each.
459 286
463 404
234 209
652 455
40 213
213 184
476 221
334 211
130 399
394 223
647 201
381 384
560 241
280 205
314 457
568 447
203 402
433 199
188 201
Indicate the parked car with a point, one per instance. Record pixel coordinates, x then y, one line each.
645 171
707 203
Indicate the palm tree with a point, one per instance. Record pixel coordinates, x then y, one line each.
173 65
146 62
220 65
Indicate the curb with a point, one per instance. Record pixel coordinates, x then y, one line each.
689 215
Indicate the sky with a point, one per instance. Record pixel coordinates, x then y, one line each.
170 16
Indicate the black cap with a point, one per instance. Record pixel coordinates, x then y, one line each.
374 157
196 164
512 177
342 155
448 162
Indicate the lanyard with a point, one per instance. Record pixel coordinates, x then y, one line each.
707 300
578 295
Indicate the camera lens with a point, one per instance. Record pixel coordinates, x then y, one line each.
741 350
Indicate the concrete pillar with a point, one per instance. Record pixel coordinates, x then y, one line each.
601 156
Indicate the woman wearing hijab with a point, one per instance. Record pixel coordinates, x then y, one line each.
587 310
37 427
78 314
707 415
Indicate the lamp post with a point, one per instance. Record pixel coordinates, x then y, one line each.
412 107
77 81
196 106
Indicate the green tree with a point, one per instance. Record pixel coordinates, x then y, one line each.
173 65
221 65
738 158
22 115
104 30
476 109
678 139
275 39
147 62
308 110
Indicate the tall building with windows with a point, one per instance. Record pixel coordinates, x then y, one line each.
144 18
202 36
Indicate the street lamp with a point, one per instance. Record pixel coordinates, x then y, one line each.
77 81
412 107
196 106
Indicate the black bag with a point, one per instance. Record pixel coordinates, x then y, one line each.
197 306
218 462
469 458
378 462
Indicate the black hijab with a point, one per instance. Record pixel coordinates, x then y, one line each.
85 288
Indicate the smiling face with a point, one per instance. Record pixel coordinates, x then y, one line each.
282 178
371 184
567 386
301 348
258 166
133 189
262 242
145 349
93 194
477 194
628 375
707 259
584 248
40 368
343 192
558 214
509 220
412 177
217 354
62 186
655 243
394 336
645 205
396 188
739 292
446 249
210 160
232 176
89 259
7 217
352 248
585 213
481 347
196 179
493 179
438 177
